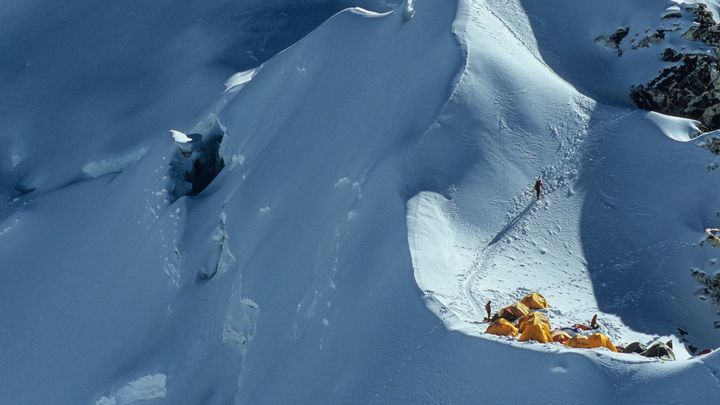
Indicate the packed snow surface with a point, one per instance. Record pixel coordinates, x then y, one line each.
376 191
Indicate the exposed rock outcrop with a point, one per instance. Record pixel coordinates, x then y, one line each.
710 289
691 88
705 28
614 40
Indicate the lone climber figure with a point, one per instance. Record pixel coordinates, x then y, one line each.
489 312
538 186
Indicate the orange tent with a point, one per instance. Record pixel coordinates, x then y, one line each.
560 336
502 327
590 342
514 311
536 327
535 301
536 331
534 317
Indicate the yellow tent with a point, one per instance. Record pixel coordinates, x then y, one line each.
534 317
560 336
535 301
502 327
535 326
591 342
602 341
537 331
514 311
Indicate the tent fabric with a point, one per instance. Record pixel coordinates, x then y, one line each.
535 327
659 350
591 342
502 327
579 342
535 301
560 336
602 341
536 331
533 317
514 311
634 347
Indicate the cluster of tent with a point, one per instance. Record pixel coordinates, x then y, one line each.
526 321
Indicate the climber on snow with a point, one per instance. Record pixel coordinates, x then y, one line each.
538 186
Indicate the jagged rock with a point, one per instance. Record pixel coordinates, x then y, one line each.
711 284
711 288
653 39
704 27
713 145
614 40
690 90
671 55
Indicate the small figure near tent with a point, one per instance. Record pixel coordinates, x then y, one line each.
538 186
593 322
488 309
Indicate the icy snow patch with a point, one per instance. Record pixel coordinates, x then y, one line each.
239 80
367 13
180 137
142 389
114 165
679 129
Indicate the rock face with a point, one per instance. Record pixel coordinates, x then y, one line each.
705 28
691 88
710 289
614 40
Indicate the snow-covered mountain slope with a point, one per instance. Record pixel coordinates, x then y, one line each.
379 167
613 232
90 80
